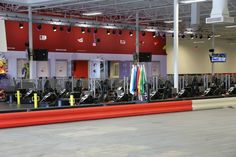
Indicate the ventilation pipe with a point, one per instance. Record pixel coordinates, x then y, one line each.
220 12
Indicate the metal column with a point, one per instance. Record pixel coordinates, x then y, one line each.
176 44
31 63
213 47
137 36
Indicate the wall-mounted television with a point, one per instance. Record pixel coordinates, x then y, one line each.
218 57
39 54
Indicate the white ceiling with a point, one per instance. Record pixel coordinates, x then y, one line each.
151 12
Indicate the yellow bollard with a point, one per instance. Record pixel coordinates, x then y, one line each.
18 95
35 100
72 100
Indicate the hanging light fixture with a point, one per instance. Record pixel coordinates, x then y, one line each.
154 34
143 33
108 32
131 33
54 28
82 30
61 28
88 30
95 30
21 26
192 36
200 36
39 27
69 29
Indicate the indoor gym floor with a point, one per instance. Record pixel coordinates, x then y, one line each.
209 133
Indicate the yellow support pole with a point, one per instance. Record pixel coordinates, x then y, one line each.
35 99
18 95
72 100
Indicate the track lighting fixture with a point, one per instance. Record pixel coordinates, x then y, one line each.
192 36
154 34
39 27
88 30
131 33
61 28
209 37
113 31
108 32
164 35
69 29
95 30
82 30
120 32
183 36
21 26
54 28
143 33
200 36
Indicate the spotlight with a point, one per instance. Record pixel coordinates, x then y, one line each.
154 34
21 26
143 33
131 33
61 28
209 37
164 35
120 32
172 35
183 36
200 36
95 30
108 32
39 26
54 28
88 30
113 31
196 36
192 36
69 29
82 30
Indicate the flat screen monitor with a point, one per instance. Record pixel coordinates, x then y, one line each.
39 54
219 57
145 57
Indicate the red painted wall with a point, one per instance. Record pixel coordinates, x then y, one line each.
68 42
80 69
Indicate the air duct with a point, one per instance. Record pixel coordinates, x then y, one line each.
220 12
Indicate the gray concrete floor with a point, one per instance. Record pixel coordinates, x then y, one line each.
210 133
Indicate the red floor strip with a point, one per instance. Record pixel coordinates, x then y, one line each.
10 120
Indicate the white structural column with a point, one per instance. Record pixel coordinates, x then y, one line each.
213 47
176 44
137 36
31 62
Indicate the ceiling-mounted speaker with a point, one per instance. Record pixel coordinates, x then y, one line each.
212 50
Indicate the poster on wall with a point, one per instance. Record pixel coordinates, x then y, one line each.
43 69
94 69
61 68
125 69
114 69
3 66
156 68
23 68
